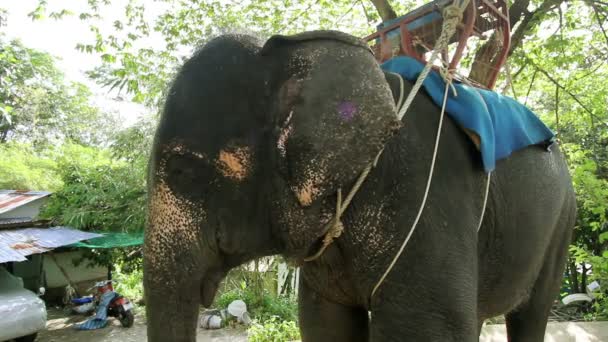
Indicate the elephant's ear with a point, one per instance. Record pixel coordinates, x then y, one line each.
334 109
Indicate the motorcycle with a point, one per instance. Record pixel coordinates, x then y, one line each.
119 306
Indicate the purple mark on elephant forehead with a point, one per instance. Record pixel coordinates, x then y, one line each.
347 110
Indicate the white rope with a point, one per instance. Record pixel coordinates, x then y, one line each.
401 90
452 15
334 227
485 202
424 198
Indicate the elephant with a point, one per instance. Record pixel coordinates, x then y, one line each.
253 143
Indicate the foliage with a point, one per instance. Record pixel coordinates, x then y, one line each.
133 144
18 67
129 284
102 194
21 167
600 274
261 307
103 189
257 289
52 138
273 330
37 105
131 63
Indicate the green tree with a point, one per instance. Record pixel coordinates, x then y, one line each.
101 193
38 106
21 167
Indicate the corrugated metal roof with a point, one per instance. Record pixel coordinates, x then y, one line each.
16 244
14 220
11 199
23 222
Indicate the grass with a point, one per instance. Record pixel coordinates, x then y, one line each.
261 306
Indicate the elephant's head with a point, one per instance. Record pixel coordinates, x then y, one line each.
251 147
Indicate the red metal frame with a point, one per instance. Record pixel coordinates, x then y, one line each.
506 33
497 16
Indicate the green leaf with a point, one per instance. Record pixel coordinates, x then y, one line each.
603 237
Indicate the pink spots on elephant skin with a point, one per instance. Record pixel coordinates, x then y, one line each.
347 110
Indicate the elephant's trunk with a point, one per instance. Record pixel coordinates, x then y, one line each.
172 315
175 265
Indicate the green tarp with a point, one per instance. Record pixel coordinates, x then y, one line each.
111 240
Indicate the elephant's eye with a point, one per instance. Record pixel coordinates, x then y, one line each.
189 175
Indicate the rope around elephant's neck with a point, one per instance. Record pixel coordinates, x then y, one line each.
452 16
334 227
424 198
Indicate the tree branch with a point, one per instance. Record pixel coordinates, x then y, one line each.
591 72
574 97
530 87
486 56
529 21
556 110
346 13
599 22
517 10
296 17
385 9
521 68
369 20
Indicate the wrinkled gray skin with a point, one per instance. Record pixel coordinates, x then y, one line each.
254 143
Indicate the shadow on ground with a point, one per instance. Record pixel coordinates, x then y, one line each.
60 328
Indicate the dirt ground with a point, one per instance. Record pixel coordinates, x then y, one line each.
60 328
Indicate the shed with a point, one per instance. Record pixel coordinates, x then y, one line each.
24 238
21 205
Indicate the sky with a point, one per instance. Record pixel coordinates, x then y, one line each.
59 38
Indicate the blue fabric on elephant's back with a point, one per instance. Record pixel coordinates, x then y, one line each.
503 124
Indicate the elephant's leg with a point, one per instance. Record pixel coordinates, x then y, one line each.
527 323
425 315
322 320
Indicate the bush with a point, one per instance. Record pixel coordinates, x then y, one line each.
21 167
276 307
261 308
129 285
273 330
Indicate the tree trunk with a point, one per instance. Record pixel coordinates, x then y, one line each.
385 9
584 279
573 276
525 20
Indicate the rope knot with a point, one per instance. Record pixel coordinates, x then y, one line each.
335 227
448 76
453 12
334 232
